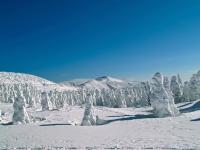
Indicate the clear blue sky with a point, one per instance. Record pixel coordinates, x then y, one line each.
67 39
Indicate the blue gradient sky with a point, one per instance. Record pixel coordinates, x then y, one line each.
68 39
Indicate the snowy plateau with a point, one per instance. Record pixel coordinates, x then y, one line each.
100 113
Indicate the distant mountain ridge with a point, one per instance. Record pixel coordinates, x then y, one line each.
99 83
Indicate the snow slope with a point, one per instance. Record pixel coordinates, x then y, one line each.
12 78
30 87
126 128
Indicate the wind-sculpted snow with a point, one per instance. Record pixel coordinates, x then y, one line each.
161 97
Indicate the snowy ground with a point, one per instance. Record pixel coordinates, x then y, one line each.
127 128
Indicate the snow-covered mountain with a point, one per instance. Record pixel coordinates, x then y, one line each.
104 82
74 82
10 78
31 86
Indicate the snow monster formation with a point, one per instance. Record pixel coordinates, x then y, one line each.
176 86
45 102
161 97
20 115
89 118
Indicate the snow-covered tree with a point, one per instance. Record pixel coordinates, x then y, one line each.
177 88
161 97
192 88
20 114
89 118
186 92
120 98
0 115
45 102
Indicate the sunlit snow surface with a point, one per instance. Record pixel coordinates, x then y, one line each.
126 128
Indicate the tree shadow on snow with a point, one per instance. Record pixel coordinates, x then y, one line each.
194 107
130 117
55 124
185 104
121 116
198 119
7 124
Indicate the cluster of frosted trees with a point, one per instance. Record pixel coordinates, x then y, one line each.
160 92
134 95
176 86
160 96
126 97
8 92
191 90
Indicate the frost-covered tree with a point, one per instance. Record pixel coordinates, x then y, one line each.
192 88
161 97
20 114
177 88
0 116
120 98
186 92
170 96
0 112
89 118
45 102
